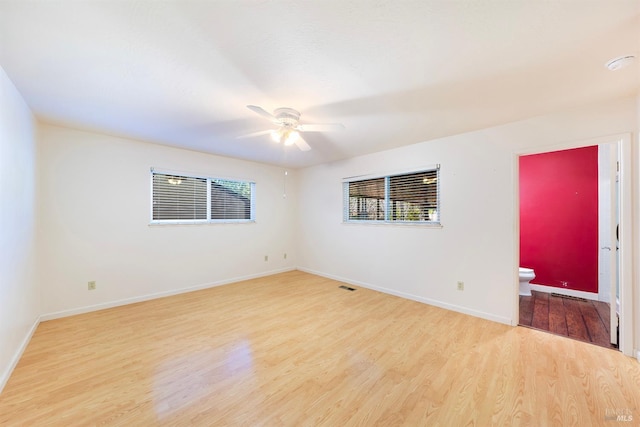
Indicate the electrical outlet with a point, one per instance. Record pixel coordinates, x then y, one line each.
91 285
266 258
461 286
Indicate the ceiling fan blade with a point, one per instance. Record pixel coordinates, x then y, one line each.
326 127
262 112
250 135
302 144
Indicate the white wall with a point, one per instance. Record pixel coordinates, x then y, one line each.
476 242
19 297
95 223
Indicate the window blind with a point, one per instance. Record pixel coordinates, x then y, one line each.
230 199
412 197
181 198
366 200
178 197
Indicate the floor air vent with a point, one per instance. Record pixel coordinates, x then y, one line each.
346 288
553 294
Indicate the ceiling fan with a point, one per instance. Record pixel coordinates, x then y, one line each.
289 127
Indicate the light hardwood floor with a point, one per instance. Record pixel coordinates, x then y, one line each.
294 350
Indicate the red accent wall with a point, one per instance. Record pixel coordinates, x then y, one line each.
559 217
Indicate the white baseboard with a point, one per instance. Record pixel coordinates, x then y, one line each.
446 306
4 377
563 291
117 303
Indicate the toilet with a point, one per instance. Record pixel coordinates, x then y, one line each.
526 276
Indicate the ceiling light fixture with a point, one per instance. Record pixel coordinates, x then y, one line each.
620 62
291 136
285 134
276 135
174 180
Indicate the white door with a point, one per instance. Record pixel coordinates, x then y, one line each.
613 253
608 220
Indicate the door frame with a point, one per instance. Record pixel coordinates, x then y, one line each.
623 141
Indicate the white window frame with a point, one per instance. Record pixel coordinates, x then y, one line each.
208 220
435 222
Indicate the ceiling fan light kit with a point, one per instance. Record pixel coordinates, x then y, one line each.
284 134
291 136
289 127
276 135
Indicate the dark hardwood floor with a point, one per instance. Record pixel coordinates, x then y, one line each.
584 320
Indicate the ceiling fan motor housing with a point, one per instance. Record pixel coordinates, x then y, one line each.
287 116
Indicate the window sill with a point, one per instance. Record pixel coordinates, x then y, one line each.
410 224
189 223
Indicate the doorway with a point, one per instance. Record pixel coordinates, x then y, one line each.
572 303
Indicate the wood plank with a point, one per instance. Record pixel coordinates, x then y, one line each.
526 310
576 327
542 296
293 349
595 327
540 311
557 316
604 312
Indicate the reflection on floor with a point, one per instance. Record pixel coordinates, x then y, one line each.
584 320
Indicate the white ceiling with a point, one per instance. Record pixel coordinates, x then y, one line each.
393 72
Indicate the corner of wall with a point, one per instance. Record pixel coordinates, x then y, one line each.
6 374
19 288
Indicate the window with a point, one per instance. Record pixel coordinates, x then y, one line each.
408 198
189 199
